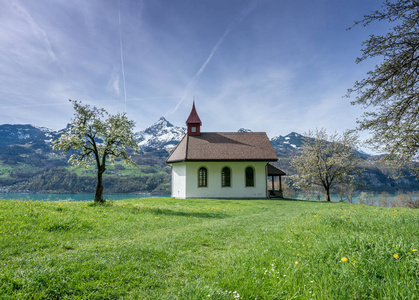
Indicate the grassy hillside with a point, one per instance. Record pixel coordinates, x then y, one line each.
207 249
36 168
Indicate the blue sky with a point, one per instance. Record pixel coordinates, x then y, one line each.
267 65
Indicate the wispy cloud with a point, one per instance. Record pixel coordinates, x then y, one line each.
113 83
266 65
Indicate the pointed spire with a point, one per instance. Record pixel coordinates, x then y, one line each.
194 122
193 116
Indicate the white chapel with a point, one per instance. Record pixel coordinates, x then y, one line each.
222 164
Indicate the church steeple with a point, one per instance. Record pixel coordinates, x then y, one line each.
194 122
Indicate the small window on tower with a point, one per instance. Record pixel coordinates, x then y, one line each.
193 129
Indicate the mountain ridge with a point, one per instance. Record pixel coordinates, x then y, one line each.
28 163
161 135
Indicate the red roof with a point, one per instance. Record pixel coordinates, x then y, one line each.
193 117
224 146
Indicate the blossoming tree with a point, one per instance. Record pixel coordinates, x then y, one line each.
326 161
95 135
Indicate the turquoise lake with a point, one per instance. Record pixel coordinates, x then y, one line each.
89 197
71 197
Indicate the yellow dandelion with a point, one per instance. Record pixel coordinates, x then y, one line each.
343 259
157 218
414 250
296 262
396 256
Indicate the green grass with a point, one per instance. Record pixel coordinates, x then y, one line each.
6 170
207 249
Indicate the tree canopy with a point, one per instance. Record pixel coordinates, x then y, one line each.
390 91
94 136
326 161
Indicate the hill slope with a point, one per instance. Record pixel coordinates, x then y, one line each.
28 163
207 249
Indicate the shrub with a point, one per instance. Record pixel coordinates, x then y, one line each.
410 200
366 198
383 199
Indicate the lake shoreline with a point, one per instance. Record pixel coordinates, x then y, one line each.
72 197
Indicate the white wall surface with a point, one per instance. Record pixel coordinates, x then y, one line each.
237 189
179 180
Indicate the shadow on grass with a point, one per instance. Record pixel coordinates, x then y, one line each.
286 199
303 200
258 199
169 212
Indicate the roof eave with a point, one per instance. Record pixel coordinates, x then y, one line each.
170 155
223 160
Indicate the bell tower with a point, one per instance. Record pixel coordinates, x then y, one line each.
194 122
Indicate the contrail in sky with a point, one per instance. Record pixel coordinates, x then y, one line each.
214 49
202 69
122 56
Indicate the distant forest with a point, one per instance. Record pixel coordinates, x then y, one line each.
36 168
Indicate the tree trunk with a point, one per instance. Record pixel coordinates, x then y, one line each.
328 194
99 186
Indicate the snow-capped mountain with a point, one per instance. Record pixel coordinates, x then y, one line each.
244 130
161 135
24 133
27 145
290 141
164 135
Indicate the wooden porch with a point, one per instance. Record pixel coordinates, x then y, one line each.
275 182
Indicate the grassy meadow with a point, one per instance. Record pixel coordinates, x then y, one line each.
160 248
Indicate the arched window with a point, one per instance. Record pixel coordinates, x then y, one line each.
226 177
250 178
202 177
